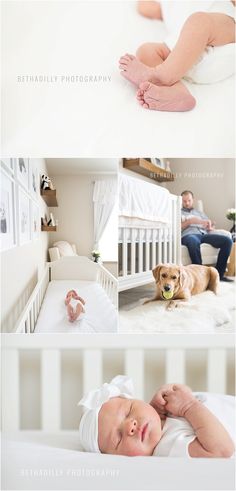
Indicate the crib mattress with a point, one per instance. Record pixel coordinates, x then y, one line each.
39 460
100 314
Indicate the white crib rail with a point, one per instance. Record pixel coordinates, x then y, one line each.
27 320
148 247
132 350
109 283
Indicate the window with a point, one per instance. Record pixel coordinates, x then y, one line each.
108 245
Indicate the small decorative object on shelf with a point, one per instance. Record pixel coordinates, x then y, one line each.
96 256
48 225
48 192
167 166
46 183
231 215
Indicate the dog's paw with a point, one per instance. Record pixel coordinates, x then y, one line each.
172 305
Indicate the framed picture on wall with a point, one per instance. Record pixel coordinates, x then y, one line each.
7 212
35 221
33 178
24 229
8 164
22 172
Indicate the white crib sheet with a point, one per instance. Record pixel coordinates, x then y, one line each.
27 455
106 111
100 314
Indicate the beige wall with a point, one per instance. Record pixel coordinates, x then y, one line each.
210 180
75 212
20 269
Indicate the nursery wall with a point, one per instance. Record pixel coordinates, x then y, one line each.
20 269
210 180
75 212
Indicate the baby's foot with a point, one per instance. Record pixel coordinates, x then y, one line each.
173 98
134 70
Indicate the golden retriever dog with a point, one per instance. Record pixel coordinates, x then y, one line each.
181 282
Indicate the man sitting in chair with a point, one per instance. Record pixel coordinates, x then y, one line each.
197 229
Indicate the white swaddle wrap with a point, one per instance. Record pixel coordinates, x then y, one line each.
120 386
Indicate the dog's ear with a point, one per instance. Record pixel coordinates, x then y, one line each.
182 276
156 272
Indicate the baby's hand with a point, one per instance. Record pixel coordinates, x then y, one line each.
178 400
172 398
158 401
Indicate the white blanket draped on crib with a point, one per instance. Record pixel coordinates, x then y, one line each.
143 200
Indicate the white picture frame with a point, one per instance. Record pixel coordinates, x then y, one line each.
35 221
33 179
22 172
24 225
8 165
157 162
7 212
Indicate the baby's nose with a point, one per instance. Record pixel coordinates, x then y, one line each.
131 426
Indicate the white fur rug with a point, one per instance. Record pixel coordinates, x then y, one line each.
205 312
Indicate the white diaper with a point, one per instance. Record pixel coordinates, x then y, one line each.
74 304
217 63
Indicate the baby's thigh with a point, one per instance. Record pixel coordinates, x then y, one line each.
223 29
152 53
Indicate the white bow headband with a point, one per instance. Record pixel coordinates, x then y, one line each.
120 386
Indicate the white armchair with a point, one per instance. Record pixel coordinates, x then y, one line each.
209 254
61 249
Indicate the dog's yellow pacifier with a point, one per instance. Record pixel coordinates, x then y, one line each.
167 295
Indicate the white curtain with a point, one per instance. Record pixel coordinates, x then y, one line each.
104 196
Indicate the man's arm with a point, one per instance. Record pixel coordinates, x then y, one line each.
205 223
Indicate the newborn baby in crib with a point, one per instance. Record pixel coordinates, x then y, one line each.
198 48
176 423
74 305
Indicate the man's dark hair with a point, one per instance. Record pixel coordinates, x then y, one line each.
187 192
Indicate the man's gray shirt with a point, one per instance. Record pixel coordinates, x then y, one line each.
194 228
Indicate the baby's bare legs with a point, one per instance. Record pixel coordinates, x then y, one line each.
155 63
200 30
78 310
70 312
150 96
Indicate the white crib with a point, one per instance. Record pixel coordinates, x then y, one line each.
142 248
132 351
50 448
71 268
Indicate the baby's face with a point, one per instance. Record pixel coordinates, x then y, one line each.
128 427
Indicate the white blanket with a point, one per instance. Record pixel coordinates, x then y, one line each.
141 199
44 461
100 118
203 313
100 314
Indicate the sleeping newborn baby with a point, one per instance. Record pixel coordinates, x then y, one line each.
199 47
74 305
176 423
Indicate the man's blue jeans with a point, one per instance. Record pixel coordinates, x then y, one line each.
219 241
